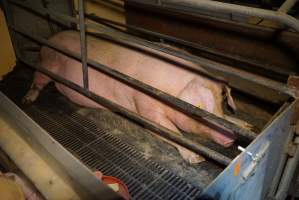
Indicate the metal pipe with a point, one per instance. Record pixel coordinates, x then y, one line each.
288 175
287 5
201 115
83 43
185 43
164 132
193 7
206 63
281 165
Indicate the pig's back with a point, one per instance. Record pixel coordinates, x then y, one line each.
143 67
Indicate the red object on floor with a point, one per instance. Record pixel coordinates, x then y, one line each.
123 189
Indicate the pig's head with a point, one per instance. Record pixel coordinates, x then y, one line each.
208 98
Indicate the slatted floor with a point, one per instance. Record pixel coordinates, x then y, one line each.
98 149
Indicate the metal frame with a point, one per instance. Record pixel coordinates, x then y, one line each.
59 159
193 7
128 40
131 41
187 108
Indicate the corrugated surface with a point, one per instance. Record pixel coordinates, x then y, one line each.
98 149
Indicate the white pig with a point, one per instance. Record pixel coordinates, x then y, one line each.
185 85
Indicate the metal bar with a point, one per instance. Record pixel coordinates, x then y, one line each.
104 21
45 5
287 5
201 115
117 4
164 132
281 165
288 175
68 167
192 7
83 43
206 63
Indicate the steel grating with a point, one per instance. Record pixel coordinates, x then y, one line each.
100 150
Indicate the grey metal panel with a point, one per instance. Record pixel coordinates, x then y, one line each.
244 185
54 154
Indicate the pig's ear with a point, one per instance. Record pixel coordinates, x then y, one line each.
229 98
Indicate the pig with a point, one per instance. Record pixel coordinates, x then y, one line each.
197 90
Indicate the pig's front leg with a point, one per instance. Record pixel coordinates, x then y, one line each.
150 109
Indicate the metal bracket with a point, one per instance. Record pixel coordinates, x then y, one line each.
256 158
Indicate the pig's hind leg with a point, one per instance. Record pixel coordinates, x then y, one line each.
48 60
39 82
150 109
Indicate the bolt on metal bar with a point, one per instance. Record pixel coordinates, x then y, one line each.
205 117
164 132
83 43
206 63
193 7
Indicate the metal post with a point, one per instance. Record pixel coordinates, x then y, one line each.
288 174
83 43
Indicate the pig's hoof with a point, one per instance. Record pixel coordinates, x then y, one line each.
30 97
26 101
190 156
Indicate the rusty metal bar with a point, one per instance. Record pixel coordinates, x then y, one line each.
164 132
209 119
194 6
83 43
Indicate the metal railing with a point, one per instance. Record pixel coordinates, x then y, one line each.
194 6
196 113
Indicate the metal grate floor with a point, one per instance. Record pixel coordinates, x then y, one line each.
99 150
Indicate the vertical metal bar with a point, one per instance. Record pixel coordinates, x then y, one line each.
83 43
287 176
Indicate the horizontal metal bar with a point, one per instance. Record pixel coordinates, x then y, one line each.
156 128
199 114
236 58
206 63
194 6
